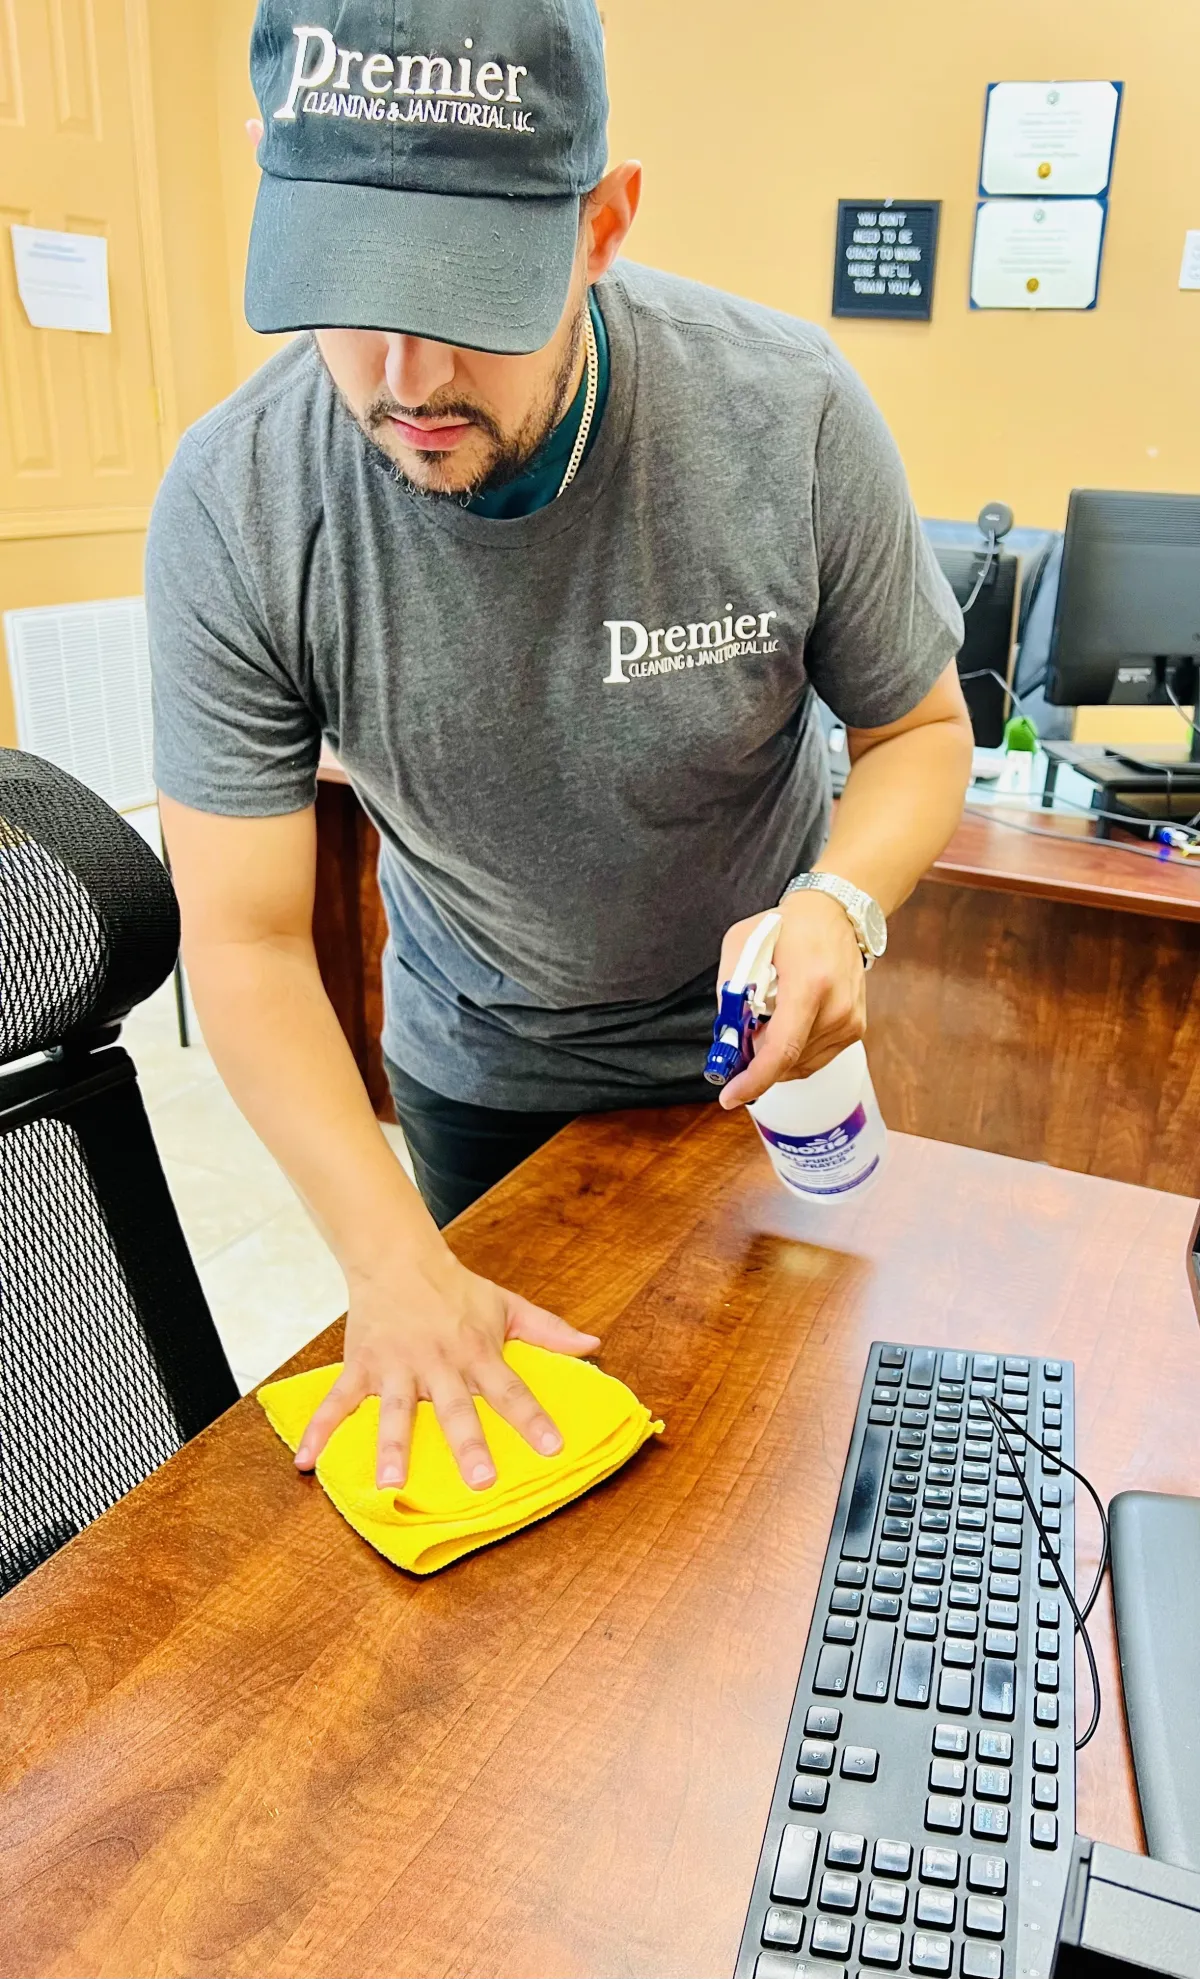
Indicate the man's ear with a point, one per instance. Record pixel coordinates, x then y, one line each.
254 130
611 211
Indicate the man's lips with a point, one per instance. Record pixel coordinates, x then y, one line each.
431 439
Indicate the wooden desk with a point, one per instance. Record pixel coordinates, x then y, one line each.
233 1740
1040 996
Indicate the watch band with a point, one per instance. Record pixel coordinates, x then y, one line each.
864 914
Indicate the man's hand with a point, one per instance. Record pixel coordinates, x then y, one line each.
821 1005
433 1331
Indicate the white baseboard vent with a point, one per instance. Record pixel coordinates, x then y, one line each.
81 683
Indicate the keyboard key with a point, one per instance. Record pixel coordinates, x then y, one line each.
969 1542
998 1690
989 1823
922 1367
838 1891
993 1783
865 1496
915 1680
939 1865
1046 1675
1045 1755
832 1937
1000 1642
931 1571
884 1607
997 1746
783 1929
886 1580
987 1872
816 1755
851 1573
1047 1642
954 1740
936 1907
880 1944
874 1663
840 1628
1046 1574
985 1917
859 1762
947 1776
925 1597
930 1953
809 1793
1005 1560
981 1961
960 1654
1043 1830
985 1367
920 1625
931 1546
892 1356
893 1528
889 1550
1045 1790
1052 1370
892 1858
887 1900
955 1690
823 1721
1045 1709
833 1670
1048 1611
942 1815
845 1851
882 1418
961 1622
846 1601
794 1865
777 1965
1004 1587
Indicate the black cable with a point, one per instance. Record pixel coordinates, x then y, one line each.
1179 708
1080 1614
993 545
1129 819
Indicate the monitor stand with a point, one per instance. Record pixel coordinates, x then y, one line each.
1136 784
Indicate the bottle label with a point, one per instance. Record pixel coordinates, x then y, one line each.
826 1164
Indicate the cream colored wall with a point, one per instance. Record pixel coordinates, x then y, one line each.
753 121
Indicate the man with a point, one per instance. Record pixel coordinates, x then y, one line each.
554 552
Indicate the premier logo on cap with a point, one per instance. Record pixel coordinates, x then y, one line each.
464 94
422 165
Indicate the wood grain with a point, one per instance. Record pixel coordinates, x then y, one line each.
233 1740
1056 858
1056 1033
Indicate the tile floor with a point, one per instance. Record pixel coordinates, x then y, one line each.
269 1278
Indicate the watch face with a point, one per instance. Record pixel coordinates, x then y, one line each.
875 927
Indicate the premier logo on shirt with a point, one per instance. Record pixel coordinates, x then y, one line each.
635 652
440 89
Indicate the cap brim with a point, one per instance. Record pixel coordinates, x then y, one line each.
486 274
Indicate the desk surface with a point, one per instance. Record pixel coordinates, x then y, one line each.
233 1740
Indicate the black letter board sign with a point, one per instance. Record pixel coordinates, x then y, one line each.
886 250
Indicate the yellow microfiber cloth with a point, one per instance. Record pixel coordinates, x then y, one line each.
436 1518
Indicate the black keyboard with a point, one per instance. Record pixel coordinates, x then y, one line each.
924 1813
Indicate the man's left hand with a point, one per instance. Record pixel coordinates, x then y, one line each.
821 1002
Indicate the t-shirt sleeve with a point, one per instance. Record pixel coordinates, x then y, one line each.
232 731
887 624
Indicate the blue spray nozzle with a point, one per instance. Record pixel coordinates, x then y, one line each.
747 1000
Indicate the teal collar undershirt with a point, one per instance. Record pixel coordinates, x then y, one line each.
537 484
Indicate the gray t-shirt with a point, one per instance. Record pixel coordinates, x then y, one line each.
588 735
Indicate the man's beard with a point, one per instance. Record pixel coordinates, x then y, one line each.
510 453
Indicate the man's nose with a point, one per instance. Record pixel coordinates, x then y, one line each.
416 368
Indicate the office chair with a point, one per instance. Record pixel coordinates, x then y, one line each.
109 1359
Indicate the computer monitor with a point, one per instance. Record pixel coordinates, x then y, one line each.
989 630
1127 621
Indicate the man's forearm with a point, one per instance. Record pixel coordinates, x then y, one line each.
902 800
278 1045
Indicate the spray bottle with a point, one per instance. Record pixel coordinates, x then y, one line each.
825 1134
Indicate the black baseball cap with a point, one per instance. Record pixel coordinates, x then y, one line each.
422 165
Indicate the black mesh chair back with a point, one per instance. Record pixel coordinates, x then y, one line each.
109 1359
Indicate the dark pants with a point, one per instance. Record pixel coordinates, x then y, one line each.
459 1150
